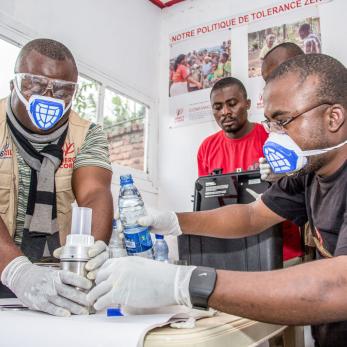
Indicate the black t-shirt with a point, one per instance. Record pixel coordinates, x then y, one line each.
323 202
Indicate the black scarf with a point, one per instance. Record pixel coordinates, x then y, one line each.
40 224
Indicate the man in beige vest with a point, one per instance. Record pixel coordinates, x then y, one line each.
49 157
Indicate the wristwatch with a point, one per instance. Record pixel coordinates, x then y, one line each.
201 286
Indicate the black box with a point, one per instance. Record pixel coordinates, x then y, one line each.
254 253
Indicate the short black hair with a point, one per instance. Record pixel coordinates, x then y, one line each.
178 61
332 75
290 47
47 47
305 27
227 82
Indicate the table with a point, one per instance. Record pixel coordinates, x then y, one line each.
221 331
37 329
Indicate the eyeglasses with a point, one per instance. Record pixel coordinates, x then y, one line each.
278 126
30 84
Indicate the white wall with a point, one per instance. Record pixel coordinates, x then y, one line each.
114 41
178 146
116 37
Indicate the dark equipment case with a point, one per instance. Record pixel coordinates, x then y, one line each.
254 253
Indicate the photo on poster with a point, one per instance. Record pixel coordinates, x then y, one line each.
305 33
195 64
199 68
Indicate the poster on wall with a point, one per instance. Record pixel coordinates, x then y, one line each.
198 58
301 27
202 55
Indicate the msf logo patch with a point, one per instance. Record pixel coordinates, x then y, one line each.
69 156
5 152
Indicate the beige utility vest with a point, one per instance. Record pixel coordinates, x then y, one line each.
75 137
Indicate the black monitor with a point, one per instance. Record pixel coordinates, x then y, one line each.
253 253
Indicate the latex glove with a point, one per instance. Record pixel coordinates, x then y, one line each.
141 283
265 169
45 289
98 253
162 223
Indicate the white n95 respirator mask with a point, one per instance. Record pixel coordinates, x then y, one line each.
285 156
44 112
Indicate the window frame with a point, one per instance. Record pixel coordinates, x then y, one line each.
17 34
142 174
83 75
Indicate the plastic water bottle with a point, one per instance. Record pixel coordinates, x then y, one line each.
137 238
161 249
116 245
117 249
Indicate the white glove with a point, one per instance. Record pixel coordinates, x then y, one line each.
45 289
141 283
265 169
162 223
98 253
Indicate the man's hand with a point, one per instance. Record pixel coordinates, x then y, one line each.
265 169
141 283
162 223
98 253
45 289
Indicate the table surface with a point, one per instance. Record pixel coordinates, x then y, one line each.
221 330
38 329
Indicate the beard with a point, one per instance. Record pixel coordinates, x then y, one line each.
232 129
318 140
314 164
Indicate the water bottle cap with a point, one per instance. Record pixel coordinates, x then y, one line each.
114 223
114 312
126 179
159 237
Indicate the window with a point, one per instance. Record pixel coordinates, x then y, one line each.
8 58
124 122
87 98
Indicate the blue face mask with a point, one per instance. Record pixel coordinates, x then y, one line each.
285 156
44 112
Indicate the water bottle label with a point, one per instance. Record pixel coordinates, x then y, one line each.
130 244
137 240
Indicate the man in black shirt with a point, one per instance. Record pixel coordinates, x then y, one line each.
306 107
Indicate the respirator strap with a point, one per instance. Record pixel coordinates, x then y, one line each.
321 151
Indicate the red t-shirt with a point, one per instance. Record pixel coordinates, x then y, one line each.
219 151
181 74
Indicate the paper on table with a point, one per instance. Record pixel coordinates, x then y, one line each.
11 304
40 329
181 317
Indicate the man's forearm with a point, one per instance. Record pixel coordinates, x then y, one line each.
102 205
8 250
232 221
311 293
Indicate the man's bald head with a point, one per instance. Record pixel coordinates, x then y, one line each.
278 55
48 48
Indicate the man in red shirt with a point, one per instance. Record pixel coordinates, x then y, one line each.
238 146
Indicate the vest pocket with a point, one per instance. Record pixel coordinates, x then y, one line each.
5 189
65 197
